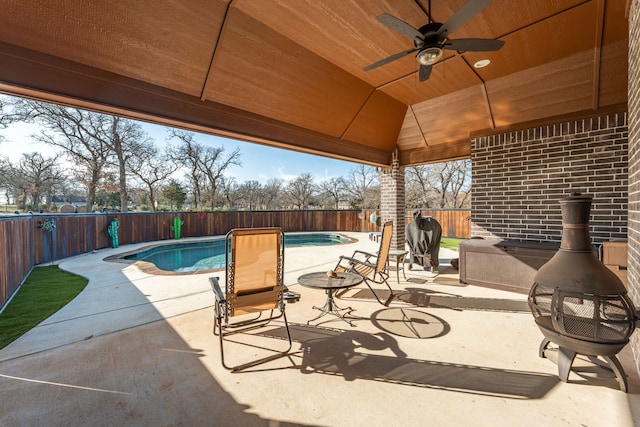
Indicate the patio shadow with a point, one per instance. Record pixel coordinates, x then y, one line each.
422 297
339 352
410 323
143 376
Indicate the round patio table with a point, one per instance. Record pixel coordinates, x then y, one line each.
320 280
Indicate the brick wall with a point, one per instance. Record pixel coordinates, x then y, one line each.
633 272
519 176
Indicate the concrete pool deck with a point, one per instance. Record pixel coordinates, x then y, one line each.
138 349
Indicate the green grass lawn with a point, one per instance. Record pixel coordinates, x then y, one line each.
46 290
450 243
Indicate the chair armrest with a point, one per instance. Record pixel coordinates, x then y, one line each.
217 290
366 255
352 260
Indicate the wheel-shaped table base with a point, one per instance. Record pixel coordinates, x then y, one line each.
331 282
330 307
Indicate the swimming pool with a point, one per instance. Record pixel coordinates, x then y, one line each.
208 255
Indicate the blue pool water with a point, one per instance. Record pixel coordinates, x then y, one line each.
209 255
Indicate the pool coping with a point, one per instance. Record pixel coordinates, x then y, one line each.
151 268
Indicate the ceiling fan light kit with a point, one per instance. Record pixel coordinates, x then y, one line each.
433 37
429 56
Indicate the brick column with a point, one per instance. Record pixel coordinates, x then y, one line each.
392 201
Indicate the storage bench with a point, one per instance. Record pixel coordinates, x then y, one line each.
503 264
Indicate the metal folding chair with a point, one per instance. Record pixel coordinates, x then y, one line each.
372 267
254 285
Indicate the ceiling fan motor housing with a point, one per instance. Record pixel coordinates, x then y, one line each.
430 33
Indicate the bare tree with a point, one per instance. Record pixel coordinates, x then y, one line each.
37 175
443 185
363 187
127 140
213 164
418 186
69 191
334 191
152 169
74 131
300 190
230 191
454 178
5 170
251 191
7 115
7 181
272 193
206 164
187 153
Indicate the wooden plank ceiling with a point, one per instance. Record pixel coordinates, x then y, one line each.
289 73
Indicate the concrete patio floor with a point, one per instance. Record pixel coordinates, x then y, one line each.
138 349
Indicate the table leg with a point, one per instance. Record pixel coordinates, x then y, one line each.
330 307
397 270
399 261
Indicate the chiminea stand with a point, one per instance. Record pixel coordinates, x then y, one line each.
566 358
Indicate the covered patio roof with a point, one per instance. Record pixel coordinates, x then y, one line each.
289 73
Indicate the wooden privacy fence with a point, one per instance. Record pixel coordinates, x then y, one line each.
29 240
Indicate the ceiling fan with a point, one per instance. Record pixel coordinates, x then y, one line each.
430 39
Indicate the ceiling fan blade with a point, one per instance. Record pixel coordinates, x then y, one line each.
462 15
425 72
473 45
389 59
400 26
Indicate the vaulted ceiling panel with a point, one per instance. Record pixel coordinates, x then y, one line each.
614 65
452 150
327 28
411 136
259 70
533 94
543 42
613 78
167 44
500 17
615 28
378 123
452 117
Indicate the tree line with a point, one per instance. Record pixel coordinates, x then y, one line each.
117 165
